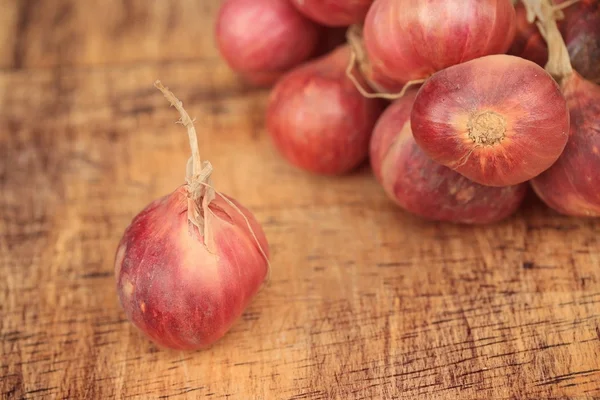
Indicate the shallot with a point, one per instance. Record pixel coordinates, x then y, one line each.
262 39
425 188
190 262
318 120
406 41
499 120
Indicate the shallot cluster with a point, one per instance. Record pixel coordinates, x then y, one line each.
453 104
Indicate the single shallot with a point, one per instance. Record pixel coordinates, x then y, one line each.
425 188
406 41
262 39
499 120
190 262
318 120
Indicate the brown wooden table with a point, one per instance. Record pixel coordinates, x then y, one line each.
365 302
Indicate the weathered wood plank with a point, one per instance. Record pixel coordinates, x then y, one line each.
52 33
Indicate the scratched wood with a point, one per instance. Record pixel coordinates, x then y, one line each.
365 302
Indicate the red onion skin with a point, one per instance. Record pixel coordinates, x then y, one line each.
458 112
528 42
425 188
581 31
318 120
262 39
172 288
412 39
572 185
334 12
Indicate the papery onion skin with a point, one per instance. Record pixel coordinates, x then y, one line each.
499 120
334 12
172 288
262 39
425 188
528 42
409 40
581 31
572 185
317 119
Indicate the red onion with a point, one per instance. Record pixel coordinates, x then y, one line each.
409 40
499 120
571 185
262 39
334 12
425 188
318 120
190 262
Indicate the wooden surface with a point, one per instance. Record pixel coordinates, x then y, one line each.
365 302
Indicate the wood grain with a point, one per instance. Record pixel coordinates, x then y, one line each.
365 302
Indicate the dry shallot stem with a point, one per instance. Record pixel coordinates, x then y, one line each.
545 15
358 56
354 38
199 180
197 173
187 122
558 14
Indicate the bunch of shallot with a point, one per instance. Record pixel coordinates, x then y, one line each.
456 104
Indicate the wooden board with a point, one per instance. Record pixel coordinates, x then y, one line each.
365 302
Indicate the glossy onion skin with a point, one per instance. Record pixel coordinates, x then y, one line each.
581 31
334 12
528 42
572 185
171 288
455 106
412 39
425 188
261 39
318 120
